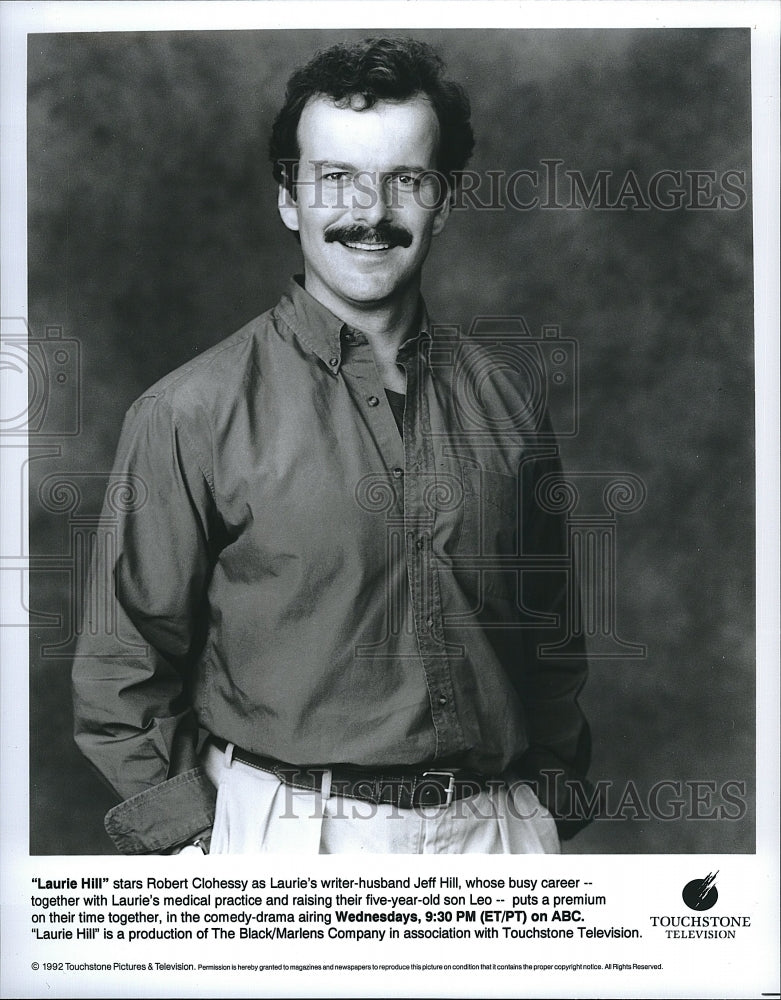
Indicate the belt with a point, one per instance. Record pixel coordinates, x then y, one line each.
405 787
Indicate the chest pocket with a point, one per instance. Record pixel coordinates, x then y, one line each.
485 544
490 514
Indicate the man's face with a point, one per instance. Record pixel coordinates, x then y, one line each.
364 209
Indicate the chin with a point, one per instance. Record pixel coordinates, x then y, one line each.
370 291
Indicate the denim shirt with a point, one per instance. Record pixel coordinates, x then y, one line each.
283 569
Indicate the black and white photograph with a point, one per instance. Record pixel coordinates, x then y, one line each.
392 476
595 263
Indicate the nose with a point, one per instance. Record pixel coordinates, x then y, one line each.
371 199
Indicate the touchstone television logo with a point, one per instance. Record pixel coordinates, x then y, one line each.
701 893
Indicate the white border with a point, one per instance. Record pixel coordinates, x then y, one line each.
17 19
767 210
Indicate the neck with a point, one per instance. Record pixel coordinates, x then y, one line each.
386 324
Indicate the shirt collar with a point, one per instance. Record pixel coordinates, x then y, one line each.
321 332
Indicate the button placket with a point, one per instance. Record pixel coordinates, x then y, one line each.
360 373
422 571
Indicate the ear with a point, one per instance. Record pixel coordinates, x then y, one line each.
288 208
442 212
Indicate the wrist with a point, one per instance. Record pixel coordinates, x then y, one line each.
201 841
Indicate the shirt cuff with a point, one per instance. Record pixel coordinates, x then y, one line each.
163 816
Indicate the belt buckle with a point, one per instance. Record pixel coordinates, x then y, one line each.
451 784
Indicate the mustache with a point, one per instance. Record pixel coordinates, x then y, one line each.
383 232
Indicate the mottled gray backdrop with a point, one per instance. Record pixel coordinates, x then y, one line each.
153 234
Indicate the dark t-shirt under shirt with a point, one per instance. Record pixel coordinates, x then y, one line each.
396 400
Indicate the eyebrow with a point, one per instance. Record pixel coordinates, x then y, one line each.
400 169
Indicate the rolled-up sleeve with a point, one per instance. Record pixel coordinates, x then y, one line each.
142 629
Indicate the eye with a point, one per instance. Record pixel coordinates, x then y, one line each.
336 176
404 180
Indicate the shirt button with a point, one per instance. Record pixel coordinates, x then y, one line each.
373 401
421 542
442 700
429 622
333 362
398 473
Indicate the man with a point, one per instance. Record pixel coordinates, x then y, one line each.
338 569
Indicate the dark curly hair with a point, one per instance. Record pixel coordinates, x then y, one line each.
376 69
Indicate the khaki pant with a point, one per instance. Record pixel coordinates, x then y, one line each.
257 813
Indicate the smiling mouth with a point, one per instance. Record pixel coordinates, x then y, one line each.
369 239
366 246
